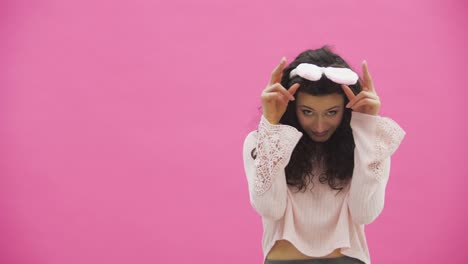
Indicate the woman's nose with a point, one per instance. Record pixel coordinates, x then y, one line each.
319 125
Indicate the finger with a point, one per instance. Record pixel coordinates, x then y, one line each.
363 85
363 94
277 87
273 96
366 87
286 99
268 97
277 72
367 77
365 102
349 93
293 89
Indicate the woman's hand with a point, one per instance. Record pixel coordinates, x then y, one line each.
275 97
366 101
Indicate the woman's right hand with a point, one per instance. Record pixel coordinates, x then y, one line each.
275 97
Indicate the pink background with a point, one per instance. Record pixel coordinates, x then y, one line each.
122 124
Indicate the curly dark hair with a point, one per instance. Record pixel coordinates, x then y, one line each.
337 153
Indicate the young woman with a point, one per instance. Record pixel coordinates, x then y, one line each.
318 164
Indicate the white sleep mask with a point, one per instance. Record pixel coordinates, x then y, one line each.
313 72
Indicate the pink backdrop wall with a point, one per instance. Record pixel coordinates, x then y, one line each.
122 124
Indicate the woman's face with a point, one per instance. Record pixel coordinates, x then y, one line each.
319 116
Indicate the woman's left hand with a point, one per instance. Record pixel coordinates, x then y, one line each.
366 101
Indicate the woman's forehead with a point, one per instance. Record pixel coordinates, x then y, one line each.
319 102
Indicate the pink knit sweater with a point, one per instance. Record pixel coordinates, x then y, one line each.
319 220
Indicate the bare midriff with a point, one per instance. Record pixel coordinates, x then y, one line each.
284 250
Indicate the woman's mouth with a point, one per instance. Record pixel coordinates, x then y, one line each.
322 134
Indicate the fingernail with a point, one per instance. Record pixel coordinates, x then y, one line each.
347 105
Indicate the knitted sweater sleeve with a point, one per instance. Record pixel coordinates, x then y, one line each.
376 139
266 153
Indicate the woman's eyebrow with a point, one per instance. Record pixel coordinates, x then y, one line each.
336 106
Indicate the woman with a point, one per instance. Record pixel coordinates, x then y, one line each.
318 164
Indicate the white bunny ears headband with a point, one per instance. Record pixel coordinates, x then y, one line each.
313 72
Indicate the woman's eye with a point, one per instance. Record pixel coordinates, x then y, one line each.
332 113
307 112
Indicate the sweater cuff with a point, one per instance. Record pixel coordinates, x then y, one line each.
386 133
